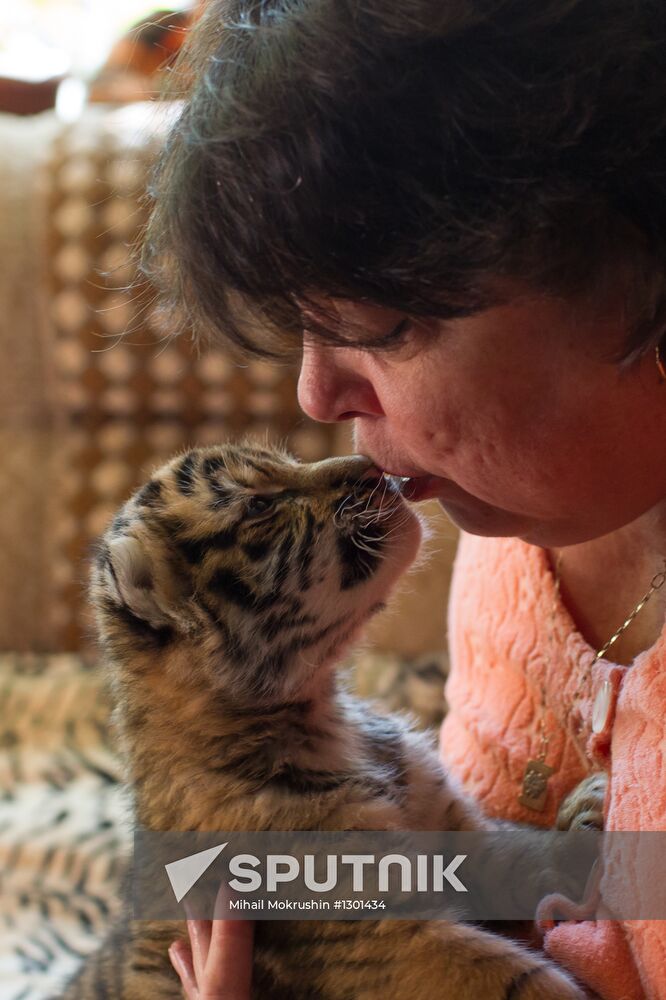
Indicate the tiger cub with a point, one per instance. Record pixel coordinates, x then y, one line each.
226 590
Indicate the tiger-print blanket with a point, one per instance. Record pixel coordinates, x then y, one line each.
64 825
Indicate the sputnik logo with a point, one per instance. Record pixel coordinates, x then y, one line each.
185 872
281 868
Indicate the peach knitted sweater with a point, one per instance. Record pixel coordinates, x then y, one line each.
509 634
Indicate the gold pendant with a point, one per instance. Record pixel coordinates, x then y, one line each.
535 785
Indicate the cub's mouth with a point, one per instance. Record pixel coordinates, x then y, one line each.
372 496
366 517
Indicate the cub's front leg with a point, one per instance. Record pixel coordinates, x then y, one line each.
131 964
486 965
413 960
583 808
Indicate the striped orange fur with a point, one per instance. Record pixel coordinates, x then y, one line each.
226 592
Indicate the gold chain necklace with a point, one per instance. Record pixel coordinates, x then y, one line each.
537 772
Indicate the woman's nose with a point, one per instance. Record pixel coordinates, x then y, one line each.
334 384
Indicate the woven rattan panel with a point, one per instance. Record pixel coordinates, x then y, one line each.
126 393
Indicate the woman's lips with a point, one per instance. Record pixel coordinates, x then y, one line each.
414 486
421 488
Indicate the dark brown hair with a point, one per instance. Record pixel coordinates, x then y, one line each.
409 154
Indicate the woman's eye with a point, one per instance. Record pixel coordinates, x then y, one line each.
394 337
258 505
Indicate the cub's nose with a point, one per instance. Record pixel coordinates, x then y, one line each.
342 471
364 479
372 473
370 478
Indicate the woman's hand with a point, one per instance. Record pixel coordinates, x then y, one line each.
218 963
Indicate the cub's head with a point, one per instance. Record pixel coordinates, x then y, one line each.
254 568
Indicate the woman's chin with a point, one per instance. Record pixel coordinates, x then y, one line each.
480 518
473 525
466 511
492 522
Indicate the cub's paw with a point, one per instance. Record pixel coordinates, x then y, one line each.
544 982
583 808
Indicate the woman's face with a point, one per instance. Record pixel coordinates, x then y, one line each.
527 426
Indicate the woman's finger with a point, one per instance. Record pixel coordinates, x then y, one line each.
229 966
200 934
181 959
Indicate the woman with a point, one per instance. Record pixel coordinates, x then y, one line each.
454 213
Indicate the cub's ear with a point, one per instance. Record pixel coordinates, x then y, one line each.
128 574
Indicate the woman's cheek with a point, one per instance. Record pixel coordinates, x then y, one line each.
467 439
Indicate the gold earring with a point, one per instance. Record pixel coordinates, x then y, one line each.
660 364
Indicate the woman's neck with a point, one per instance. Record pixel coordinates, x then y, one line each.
603 580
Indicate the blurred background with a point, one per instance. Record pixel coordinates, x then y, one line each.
94 392
44 42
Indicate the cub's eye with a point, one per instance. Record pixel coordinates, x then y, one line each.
259 505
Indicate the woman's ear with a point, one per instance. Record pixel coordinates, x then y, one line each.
129 575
